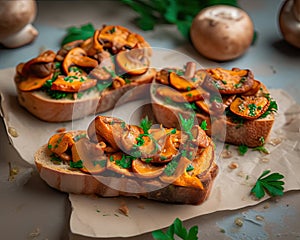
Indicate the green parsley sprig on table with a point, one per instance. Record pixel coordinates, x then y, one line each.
178 12
78 33
270 184
176 229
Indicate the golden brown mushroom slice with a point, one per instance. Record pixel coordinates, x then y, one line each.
255 88
146 170
250 107
109 128
133 62
78 56
225 81
60 142
92 157
73 83
180 82
197 94
168 93
41 66
32 83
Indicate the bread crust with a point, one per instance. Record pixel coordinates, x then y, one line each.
52 110
62 178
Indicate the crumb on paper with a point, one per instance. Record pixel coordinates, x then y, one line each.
60 130
35 233
233 165
13 171
265 160
241 174
13 132
226 153
124 209
275 141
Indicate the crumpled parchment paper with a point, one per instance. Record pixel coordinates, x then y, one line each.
101 217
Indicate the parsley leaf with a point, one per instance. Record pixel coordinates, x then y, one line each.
242 149
269 184
172 12
187 124
176 228
78 33
145 124
78 164
203 125
125 161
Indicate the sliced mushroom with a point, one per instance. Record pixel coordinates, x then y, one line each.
225 81
77 56
106 69
168 93
32 83
180 83
73 83
133 62
250 107
93 158
109 128
196 94
255 88
146 170
60 142
41 66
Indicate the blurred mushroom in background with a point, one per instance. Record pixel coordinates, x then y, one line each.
289 22
16 17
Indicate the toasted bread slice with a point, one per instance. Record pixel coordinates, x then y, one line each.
226 127
65 179
51 110
98 162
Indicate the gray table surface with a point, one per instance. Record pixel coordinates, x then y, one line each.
272 60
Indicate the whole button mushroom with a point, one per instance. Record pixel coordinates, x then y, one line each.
289 22
222 32
15 22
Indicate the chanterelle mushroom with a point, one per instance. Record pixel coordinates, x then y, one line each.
15 22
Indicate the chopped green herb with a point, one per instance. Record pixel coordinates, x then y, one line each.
262 140
252 109
188 88
125 161
261 149
203 125
102 86
49 146
187 124
224 82
270 184
55 158
242 149
145 124
191 106
78 164
111 158
272 108
190 167
173 131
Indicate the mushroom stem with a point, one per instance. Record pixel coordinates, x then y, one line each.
190 70
23 37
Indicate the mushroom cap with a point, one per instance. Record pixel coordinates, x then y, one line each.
15 15
222 32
